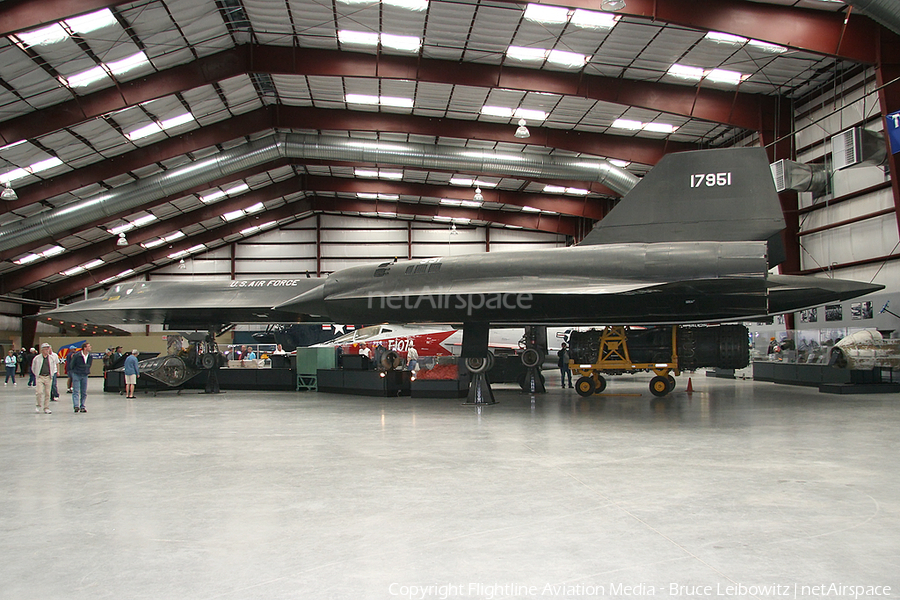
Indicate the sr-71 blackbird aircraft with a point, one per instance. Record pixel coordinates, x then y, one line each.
692 242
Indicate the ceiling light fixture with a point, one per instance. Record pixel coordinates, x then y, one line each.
478 197
522 131
181 264
8 193
612 4
122 241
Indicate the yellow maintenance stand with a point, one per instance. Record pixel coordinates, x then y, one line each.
613 357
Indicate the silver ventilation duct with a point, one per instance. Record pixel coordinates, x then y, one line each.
799 177
57 222
885 12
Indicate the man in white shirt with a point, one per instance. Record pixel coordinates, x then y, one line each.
43 366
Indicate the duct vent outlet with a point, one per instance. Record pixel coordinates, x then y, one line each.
857 147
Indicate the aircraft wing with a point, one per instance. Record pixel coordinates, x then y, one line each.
188 305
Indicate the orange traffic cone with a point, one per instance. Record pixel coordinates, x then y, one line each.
690 387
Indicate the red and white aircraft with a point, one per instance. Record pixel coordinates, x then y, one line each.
432 340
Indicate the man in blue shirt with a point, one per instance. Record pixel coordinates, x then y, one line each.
132 370
80 369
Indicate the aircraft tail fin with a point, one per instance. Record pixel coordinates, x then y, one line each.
704 195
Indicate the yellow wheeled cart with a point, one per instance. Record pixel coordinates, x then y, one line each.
613 357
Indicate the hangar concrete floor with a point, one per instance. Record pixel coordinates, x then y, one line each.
303 495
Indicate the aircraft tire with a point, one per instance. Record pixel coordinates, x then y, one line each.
208 361
584 386
531 358
659 386
479 365
599 384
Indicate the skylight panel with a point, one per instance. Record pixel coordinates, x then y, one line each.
530 114
145 131
723 76
686 72
122 66
548 15
558 189
86 78
176 121
121 228
627 124
364 38
28 258
725 38
659 127
361 99
497 111
567 59
254 208
153 128
767 47
153 243
31 257
409 43
379 100
174 236
469 182
84 267
590 19
124 273
235 214
129 225
416 5
41 165
210 198
369 196
638 125
526 54
44 36
92 21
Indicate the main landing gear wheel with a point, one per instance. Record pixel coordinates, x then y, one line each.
531 358
659 386
584 386
480 365
208 361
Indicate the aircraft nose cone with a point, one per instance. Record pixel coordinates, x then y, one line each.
310 302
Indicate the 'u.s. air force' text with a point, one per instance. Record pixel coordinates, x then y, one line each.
265 283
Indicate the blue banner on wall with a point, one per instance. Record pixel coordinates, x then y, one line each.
893 126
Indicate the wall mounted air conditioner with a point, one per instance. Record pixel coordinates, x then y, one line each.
857 147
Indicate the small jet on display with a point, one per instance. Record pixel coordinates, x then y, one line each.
692 242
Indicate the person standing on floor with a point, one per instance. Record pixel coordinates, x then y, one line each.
22 359
42 367
54 391
80 369
11 361
32 354
132 370
563 364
